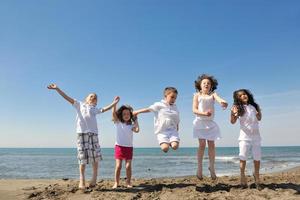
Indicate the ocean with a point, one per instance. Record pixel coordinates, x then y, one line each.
57 163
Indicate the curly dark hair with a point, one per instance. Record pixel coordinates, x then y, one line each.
237 102
213 81
119 113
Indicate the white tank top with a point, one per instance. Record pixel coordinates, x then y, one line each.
206 103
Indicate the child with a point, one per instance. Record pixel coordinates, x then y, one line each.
126 124
249 113
88 147
166 119
204 128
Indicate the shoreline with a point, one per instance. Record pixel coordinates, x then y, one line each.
280 185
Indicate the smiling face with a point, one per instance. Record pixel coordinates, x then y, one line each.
91 99
243 97
170 97
206 85
126 115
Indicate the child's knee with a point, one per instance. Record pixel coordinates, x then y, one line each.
128 166
202 144
175 145
165 149
118 166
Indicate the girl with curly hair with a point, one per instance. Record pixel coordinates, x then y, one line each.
125 124
204 127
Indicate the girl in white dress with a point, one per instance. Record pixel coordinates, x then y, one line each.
248 112
204 128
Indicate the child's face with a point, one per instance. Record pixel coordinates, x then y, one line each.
171 98
92 99
243 97
126 115
205 85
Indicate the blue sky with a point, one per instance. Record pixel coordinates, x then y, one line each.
134 49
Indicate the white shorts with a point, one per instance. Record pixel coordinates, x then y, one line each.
245 146
168 137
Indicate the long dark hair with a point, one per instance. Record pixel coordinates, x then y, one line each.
213 81
119 113
237 102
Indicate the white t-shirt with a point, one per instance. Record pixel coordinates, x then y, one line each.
249 128
124 135
86 117
166 117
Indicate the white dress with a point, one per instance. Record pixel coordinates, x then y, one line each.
203 126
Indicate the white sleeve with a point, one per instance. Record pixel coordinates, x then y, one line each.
76 104
155 107
98 110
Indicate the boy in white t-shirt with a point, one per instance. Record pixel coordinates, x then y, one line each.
166 120
88 147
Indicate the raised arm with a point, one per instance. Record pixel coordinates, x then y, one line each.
234 114
66 97
143 110
221 101
136 127
115 101
114 113
195 108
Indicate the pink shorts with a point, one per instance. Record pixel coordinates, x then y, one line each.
123 153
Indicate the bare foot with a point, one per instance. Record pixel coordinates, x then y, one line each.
199 176
243 181
129 186
92 183
81 185
212 173
257 182
115 186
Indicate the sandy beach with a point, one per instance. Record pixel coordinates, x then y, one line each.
282 185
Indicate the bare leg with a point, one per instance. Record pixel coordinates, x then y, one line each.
164 147
200 153
212 155
242 170
128 173
82 176
175 145
95 174
256 171
256 174
117 173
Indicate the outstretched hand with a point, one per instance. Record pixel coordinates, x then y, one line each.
224 105
117 99
52 86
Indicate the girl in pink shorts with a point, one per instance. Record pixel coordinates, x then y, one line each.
125 124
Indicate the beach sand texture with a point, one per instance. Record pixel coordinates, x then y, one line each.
283 185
